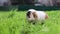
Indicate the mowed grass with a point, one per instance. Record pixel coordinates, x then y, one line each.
14 22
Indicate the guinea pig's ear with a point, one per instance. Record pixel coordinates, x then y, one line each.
34 14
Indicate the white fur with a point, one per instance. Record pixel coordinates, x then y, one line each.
40 15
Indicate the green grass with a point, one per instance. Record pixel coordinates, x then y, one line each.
15 23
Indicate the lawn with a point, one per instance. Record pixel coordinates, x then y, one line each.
14 22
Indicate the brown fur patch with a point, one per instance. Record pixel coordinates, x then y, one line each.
34 14
46 16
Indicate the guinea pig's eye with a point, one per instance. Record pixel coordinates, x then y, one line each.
28 14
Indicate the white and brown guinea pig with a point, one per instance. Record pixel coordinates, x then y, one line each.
33 15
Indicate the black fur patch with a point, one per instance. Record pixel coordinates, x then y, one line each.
28 14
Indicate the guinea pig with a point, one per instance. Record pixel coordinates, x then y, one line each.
33 15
